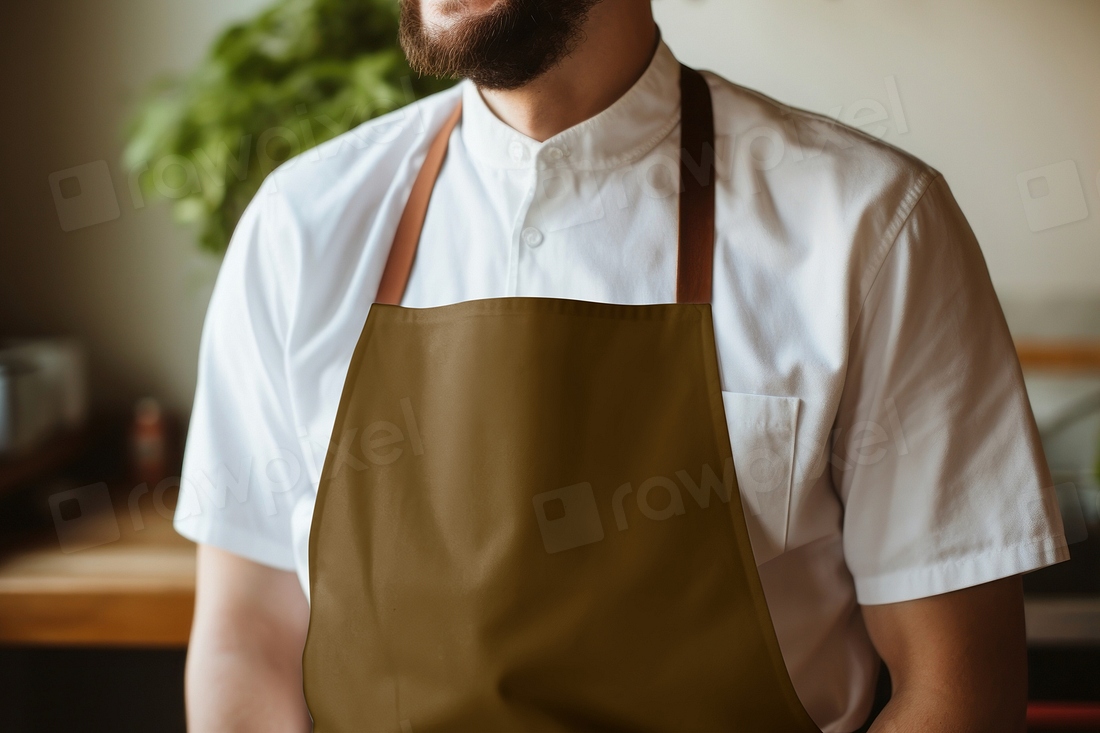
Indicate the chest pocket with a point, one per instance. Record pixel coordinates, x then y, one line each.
762 435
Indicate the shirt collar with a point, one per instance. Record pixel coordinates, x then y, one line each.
620 134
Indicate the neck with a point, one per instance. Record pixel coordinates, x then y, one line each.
618 43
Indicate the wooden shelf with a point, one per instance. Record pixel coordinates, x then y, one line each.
1063 620
1074 356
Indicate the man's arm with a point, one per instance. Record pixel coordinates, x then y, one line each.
244 663
957 661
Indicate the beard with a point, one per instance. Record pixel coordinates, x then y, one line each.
506 47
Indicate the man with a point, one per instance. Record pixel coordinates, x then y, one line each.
888 467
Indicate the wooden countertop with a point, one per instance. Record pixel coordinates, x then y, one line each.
139 589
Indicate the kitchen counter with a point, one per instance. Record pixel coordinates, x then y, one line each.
137 590
136 586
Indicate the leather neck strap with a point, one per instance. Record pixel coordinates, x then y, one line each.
696 221
695 261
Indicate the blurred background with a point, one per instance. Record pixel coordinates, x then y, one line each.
122 170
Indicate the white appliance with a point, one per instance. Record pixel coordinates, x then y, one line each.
43 391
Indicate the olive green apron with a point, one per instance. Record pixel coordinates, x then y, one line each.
529 520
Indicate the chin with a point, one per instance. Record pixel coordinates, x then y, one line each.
444 13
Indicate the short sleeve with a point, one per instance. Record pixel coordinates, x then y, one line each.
243 470
936 456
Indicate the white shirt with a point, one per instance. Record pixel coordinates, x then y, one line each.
883 442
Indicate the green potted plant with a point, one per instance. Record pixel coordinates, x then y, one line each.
300 73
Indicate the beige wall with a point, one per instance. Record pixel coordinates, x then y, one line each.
133 289
988 89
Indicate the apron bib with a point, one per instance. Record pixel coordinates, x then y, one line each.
530 519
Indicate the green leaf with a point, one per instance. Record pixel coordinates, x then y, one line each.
313 68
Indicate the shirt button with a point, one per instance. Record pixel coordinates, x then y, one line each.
532 237
555 153
517 150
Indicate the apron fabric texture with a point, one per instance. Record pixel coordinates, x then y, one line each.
530 520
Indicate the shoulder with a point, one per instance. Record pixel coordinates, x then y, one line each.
830 194
355 173
812 158
316 217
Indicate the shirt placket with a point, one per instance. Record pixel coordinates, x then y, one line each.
524 235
